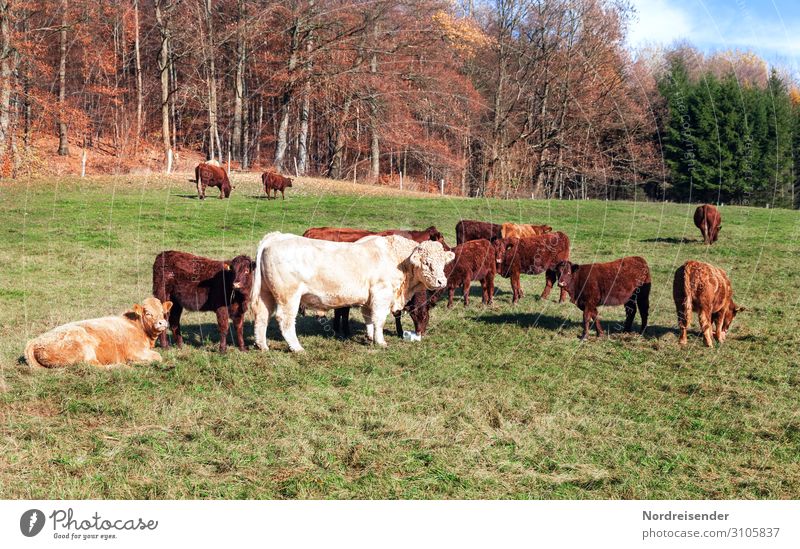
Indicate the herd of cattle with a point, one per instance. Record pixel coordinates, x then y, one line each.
381 272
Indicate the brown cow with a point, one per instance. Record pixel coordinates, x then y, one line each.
197 283
275 182
709 221
706 289
341 316
533 255
475 260
346 234
207 174
625 281
514 230
468 229
102 341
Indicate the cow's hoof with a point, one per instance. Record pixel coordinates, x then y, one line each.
297 349
243 349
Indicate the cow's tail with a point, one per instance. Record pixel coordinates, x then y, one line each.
256 303
687 296
30 355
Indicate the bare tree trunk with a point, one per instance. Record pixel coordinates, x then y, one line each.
238 86
335 170
63 145
173 90
163 66
6 70
213 131
282 140
375 149
245 130
138 63
260 126
302 146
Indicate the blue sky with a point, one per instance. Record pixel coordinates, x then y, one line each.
770 28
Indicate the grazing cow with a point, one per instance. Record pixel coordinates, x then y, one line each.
706 289
468 229
709 221
275 182
475 260
207 174
532 255
379 274
625 281
129 337
514 230
197 283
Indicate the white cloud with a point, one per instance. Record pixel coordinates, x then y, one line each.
658 22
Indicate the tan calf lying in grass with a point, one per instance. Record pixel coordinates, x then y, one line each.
129 337
706 289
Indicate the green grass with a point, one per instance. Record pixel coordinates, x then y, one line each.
499 402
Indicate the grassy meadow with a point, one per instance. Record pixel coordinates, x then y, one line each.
500 402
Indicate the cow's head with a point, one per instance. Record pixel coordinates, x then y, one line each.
564 271
541 229
503 253
428 260
242 268
733 308
288 181
152 316
436 236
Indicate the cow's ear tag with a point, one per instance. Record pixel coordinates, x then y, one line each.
227 267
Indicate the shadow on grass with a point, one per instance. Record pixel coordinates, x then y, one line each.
671 240
206 333
535 320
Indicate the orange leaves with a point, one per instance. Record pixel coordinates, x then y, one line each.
463 33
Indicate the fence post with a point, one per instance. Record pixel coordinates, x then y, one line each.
401 180
441 186
83 164
169 161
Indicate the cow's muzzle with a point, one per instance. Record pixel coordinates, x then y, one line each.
161 325
237 285
562 284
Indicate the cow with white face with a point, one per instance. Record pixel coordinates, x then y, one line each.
378 274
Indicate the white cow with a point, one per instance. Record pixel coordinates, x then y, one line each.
379 274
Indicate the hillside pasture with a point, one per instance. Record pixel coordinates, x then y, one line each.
496 402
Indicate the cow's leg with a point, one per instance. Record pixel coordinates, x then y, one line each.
597 325
516 288
550 279
286 314
263 310
563 297
175 325
368 322
199 189
222 326
587 319
346 322
221 192
683 325
705 326
283 196
643 302
238 325
465 290
398 323
630 312
717 319
451 292
379 313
